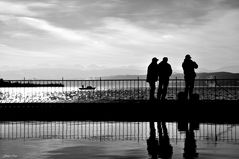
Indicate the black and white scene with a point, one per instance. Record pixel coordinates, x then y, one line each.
119 79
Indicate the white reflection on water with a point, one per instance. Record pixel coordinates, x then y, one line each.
109 92
68 94
107 140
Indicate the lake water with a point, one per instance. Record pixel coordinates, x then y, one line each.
103 93
109 140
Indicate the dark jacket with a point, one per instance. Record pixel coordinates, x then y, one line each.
164 70
152 72
188 68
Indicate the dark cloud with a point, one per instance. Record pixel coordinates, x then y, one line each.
230 3
151 13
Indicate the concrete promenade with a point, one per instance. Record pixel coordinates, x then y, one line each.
219 111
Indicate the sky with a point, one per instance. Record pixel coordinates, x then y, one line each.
103 34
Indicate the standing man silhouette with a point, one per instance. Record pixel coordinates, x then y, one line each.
189 75
152 77
164 72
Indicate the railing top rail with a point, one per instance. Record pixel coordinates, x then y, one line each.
80 80
132 79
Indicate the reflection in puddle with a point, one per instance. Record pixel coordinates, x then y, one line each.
160 147
38 139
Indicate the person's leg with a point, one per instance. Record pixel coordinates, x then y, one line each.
159 89
160 132
165 130
191 83
152 130
190 145
165 88
152 90
166 148
187 84
152 142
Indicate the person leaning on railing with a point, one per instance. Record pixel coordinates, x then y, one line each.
152 77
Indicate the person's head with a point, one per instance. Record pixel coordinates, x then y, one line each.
154 59
188 57
165 59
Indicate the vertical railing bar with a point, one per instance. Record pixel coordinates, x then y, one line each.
176 83
138 87
215 89
100 87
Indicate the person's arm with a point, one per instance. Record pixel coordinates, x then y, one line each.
147 76
170 70
183 65
195 65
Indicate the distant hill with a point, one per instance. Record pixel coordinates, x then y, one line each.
124 77
218 75
59 73
110 73
233 69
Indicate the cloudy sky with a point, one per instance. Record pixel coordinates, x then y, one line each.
117 33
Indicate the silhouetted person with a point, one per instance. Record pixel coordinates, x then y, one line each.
159 147
152 142
189 75
165 149
152 76
164 72
190 147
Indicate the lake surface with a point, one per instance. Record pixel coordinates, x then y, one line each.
108 140
74 94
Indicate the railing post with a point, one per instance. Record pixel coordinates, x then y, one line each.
235 86
24 90
138 88
62 84
215 132
176 84
215 87
100 87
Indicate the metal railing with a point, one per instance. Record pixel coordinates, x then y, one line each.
107 131
101 90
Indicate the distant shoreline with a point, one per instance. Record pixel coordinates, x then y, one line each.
28 84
